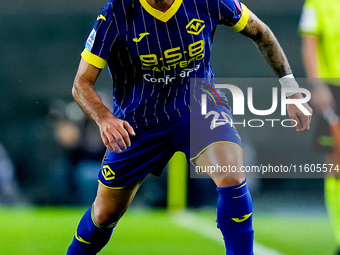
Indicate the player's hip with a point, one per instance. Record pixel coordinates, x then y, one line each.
152 148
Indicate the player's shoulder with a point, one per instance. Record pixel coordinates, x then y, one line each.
233 6
116 10
117 6
206 6
314 4
310 16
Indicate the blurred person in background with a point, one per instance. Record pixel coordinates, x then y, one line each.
320 30
78 162
82 151
9 189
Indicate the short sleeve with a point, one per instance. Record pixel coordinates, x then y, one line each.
309 22
102 36
233 14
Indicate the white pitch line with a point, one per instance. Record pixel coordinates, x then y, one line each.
206 228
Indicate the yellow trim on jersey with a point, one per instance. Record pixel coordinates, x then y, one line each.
162 16
109 186
241 24
199 154
93 59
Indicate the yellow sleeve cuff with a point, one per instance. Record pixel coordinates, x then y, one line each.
306 33
93 59
241 24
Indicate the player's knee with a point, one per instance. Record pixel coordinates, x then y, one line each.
233 160
222 155
105 215
110 204
226 182
227 172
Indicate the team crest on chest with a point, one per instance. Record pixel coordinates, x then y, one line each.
195 26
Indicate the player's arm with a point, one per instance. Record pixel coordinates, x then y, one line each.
114 132
310 55
322 96
267 45
271 50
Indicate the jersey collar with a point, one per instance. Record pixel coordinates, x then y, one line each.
162 16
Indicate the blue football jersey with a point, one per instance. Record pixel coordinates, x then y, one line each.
152 55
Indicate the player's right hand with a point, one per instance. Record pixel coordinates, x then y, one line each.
303 121
115 133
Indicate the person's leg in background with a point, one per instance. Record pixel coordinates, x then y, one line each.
332 194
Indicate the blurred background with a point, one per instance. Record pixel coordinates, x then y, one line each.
50 153
56 151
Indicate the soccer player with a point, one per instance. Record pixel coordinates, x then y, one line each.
158 54
321 53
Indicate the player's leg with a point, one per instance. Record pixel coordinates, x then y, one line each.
332 193
96 226
234 206
323 143
120 177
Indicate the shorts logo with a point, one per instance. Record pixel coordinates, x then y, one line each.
195 26
107 173
90 40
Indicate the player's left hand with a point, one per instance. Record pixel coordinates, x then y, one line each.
303 121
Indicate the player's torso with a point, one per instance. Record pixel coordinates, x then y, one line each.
172 48
159 55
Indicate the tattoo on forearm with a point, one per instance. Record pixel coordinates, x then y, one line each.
273 53
268 46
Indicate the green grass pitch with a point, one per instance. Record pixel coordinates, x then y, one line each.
48 231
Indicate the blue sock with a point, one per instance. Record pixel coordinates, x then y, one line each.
234 219
90 237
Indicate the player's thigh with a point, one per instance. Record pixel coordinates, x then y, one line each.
227 160
110 204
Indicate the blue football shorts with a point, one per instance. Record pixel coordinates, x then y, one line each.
151 149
